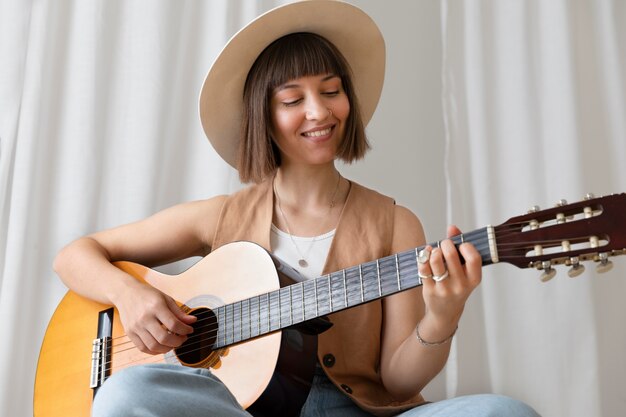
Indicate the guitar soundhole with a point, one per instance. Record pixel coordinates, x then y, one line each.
198 349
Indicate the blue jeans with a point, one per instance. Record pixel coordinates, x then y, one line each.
169 390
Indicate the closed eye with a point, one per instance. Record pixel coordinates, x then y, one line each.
291 103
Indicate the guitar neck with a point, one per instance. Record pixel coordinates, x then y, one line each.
337 291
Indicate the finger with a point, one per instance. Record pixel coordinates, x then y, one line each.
473 263
159 339
453 230
437 264
152 345
173 318
452 260
423 266
179 313
139 344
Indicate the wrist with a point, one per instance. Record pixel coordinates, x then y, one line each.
120 287
431 330
432 342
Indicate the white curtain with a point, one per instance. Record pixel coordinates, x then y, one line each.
534 96
489 107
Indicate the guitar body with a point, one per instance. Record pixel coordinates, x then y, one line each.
233 272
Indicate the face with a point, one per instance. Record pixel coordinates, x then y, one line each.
308 118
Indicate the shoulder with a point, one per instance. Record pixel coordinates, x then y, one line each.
361 191
251 193
408 232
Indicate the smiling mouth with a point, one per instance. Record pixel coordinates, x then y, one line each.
317 133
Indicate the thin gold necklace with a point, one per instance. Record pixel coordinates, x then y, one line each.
302 261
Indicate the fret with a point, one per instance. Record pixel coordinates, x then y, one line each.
389 275
297 303
361 280
338 295
280 311
237 321
317 313
285 306
220 333
290 305
265 316
398 272
230 329
245 319
241 321
408 264
255 316
274 306
345 289
370 281
330 296
303 303
322 297
380 290
353 285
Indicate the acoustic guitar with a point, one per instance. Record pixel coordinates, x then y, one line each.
258 335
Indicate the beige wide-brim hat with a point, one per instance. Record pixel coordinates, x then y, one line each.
349 28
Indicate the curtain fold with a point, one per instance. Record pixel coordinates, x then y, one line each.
534 102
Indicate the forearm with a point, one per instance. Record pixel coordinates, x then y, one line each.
85 267
414 364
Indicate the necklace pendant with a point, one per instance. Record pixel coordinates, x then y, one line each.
303 263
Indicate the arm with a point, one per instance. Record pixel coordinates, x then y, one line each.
407 366
147 314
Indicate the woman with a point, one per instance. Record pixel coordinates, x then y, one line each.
302 109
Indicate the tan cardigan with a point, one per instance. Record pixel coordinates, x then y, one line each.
350 350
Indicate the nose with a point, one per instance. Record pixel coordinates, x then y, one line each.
317 110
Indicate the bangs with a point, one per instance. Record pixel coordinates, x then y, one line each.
301 55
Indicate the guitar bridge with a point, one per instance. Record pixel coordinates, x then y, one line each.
101 351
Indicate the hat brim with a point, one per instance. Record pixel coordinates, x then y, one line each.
349 28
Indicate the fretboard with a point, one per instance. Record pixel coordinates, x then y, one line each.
337 291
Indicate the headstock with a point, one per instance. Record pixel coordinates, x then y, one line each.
591 229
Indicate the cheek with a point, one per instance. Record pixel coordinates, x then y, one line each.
342 109
282 123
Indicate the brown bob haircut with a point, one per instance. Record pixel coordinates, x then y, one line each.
289 57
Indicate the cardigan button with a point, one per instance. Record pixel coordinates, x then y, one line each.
329 360
346 388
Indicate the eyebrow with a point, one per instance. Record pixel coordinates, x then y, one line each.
295 85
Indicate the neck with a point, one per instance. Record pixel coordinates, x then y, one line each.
310 186
309 200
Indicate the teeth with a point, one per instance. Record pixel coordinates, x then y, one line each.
318 133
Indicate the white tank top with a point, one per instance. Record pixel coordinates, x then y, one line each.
313 249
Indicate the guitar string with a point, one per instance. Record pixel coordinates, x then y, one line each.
212 331
500 233
501 252
215 330
228 334
199 321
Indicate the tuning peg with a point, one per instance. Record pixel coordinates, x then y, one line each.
561 203
605 264
548 272
576 269
589 196
533 209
